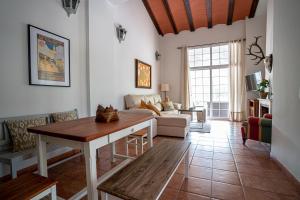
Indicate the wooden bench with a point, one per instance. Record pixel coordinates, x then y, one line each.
29 186
147 176
18 160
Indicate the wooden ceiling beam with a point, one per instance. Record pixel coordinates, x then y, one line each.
189 14
209 13
253 8
230 11
170 16
147 6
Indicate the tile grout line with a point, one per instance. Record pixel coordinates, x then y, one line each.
237 169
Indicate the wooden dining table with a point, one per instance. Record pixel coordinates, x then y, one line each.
88 136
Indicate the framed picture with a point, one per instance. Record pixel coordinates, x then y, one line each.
142 74
49 58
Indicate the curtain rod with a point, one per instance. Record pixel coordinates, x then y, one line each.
244 39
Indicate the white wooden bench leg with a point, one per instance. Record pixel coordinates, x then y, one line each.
42 156
113 152
53 193
141 144
186 164
13 169
91 171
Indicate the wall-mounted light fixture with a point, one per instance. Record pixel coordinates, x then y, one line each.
70 6
157 55
121 33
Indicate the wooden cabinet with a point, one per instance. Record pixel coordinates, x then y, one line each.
253 107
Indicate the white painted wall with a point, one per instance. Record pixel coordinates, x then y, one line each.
16 96
112 67
255 27
286 102
269 33
171 60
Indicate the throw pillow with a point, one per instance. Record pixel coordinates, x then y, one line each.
149 106
158 106
20 137
64 116
168 105
153 107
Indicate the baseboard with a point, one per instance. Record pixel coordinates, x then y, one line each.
290 176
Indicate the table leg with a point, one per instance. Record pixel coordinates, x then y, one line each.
149 135
91 171
104 196
53 193
186 164
113 152
42 156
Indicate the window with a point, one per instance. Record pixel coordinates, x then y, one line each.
209 79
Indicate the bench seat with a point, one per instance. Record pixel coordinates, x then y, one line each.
28 186
146 177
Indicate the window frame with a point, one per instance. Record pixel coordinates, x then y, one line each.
210 68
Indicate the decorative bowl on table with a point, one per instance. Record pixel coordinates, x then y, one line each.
107 114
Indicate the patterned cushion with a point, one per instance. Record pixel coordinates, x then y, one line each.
64 116
168 105
21 139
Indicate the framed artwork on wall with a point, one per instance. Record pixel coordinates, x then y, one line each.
142 74
49 58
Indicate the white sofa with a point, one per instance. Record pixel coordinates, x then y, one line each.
170 123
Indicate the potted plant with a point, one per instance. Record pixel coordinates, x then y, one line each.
261 88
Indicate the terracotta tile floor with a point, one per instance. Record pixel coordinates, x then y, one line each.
221 167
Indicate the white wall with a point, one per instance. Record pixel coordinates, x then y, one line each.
286 102
269 33
112 67
255 27
16 96
171 60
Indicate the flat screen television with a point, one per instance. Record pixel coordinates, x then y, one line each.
252 80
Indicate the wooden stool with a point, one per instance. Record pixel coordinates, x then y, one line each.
137 139
29 186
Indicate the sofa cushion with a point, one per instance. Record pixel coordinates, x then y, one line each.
170 112
64 116
158 106
133 101
173 131
21 139
174 120
168 105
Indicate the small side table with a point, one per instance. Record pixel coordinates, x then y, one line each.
201 113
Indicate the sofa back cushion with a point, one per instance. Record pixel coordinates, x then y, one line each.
134 101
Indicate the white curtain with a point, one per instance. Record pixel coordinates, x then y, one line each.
237 80
185 85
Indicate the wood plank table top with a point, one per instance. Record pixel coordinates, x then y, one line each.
25 187
86 129
145 177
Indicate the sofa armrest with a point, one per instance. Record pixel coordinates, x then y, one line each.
253 121
264 122
177 106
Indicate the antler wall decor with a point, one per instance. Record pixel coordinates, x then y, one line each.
255 51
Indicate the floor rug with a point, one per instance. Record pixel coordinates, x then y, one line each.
197 127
